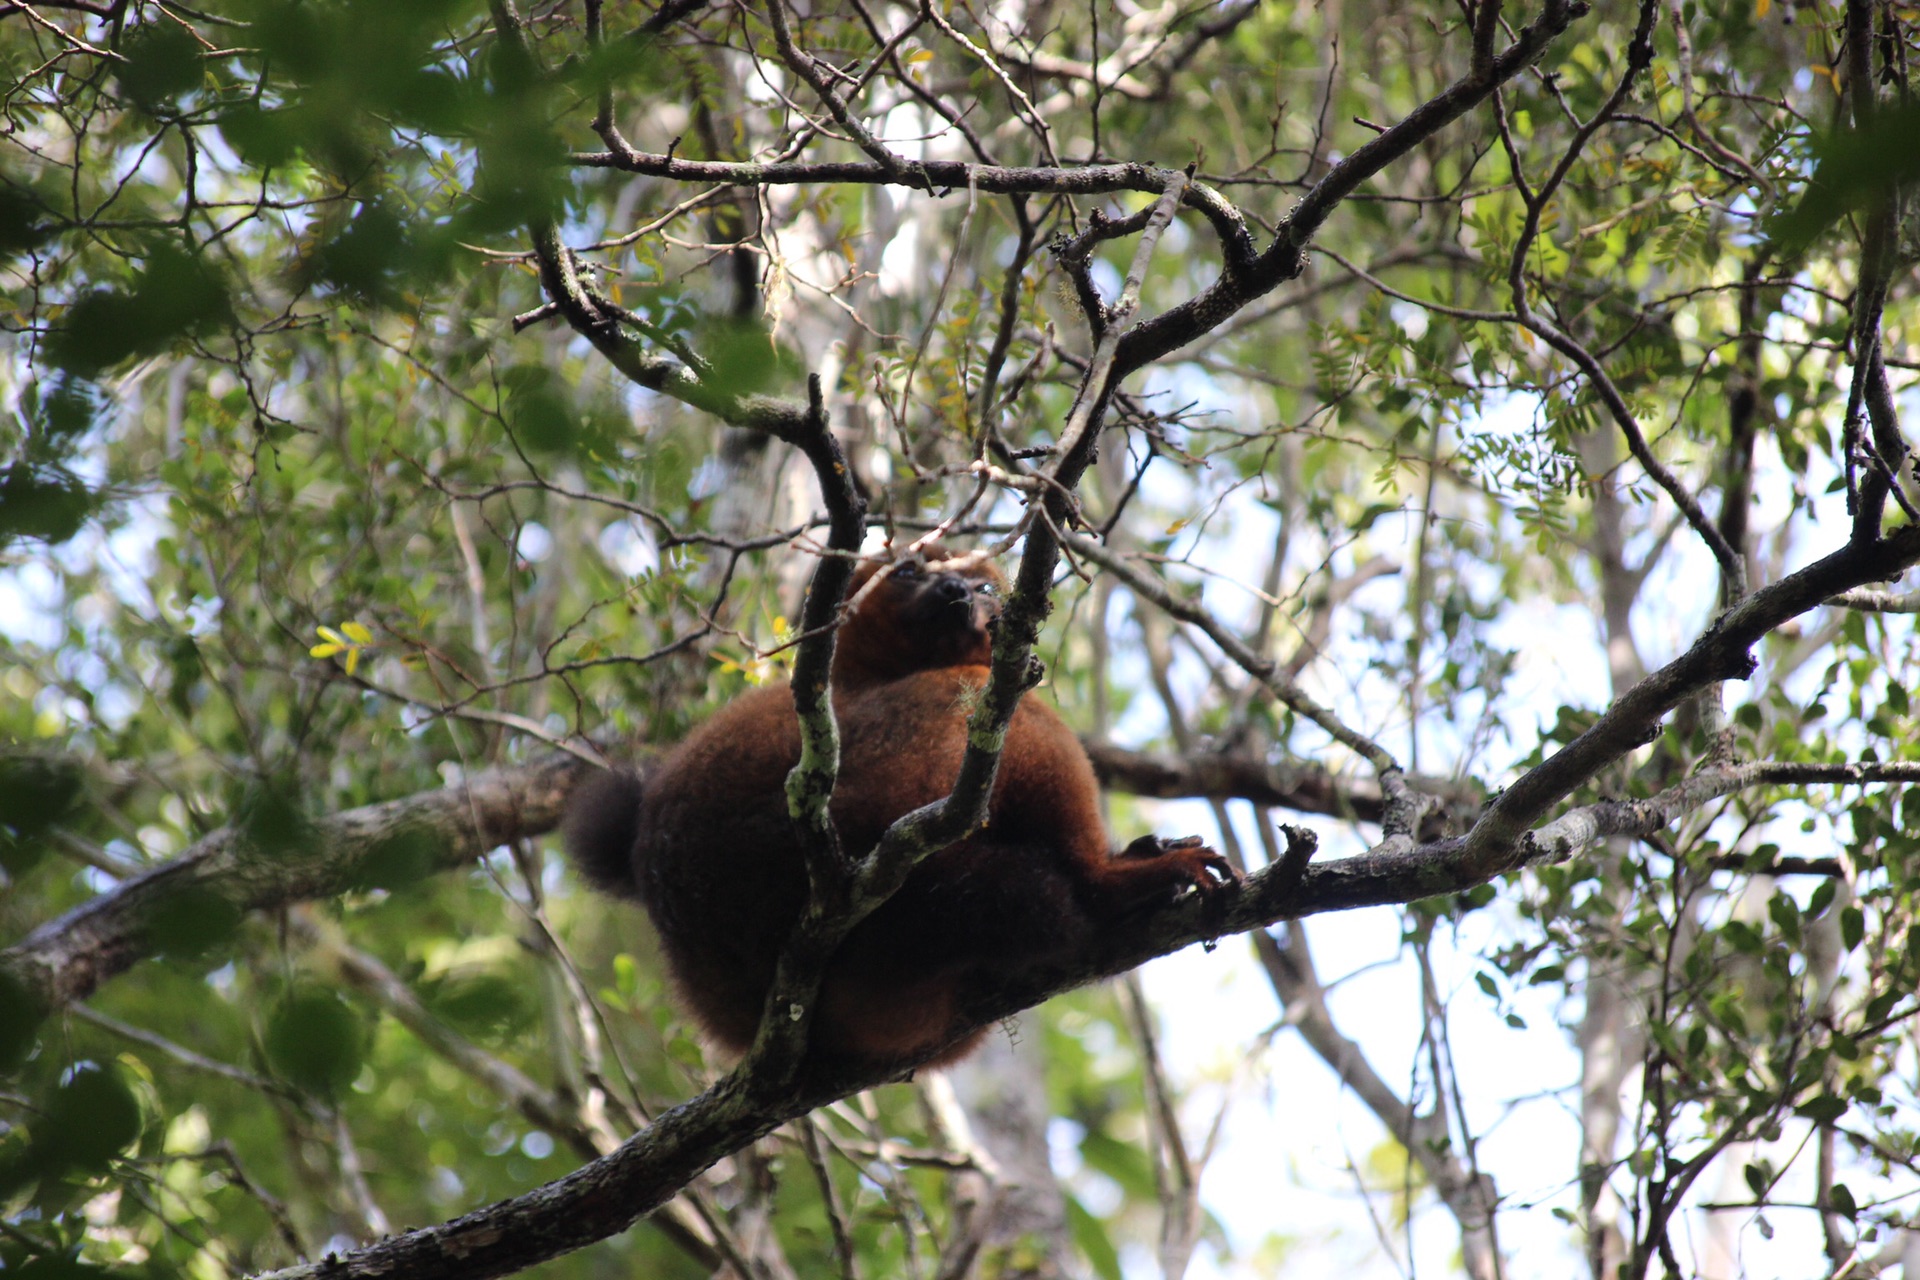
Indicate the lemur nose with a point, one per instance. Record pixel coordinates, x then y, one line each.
951 588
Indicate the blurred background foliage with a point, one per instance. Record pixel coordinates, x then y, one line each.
304 505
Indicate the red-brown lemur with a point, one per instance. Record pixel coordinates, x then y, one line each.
706 844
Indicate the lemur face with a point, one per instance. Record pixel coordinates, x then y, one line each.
928 611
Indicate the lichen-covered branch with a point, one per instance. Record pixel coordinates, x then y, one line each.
781 1042
67 958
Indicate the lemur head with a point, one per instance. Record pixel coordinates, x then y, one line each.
926 611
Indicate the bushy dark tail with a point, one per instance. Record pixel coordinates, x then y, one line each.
599 830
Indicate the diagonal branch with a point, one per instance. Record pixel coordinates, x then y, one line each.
67 958
1732 568
1265 670
1723 653
611 1193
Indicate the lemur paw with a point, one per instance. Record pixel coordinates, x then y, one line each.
1196 864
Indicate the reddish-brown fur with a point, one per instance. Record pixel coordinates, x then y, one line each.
707 846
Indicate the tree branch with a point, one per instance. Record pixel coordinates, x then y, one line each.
781 1040
1722 653
611 1193
66 959
1878 601
1300 787
947 175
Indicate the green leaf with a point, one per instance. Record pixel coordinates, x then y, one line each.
402 858
36 791
20 1018
1090 1236
1785 913
538 410
315 1042
1853 926
1824 1109
273 820
23 224
174 295
370 259
46 504
84 1123
486 1006
1125 1162
193 923
163 61
1855 170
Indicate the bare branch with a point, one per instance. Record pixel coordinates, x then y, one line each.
945 175
1297 786
1262 669
1878 601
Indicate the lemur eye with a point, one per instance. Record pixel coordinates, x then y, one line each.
986 588
908 570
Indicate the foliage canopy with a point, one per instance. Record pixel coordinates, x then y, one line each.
1471 432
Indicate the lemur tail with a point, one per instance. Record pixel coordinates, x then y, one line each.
601 824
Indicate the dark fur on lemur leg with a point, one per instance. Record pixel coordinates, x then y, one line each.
707 846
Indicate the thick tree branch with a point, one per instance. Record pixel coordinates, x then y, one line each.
1723 653
781 1041
611 1193
1295 786
67 958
